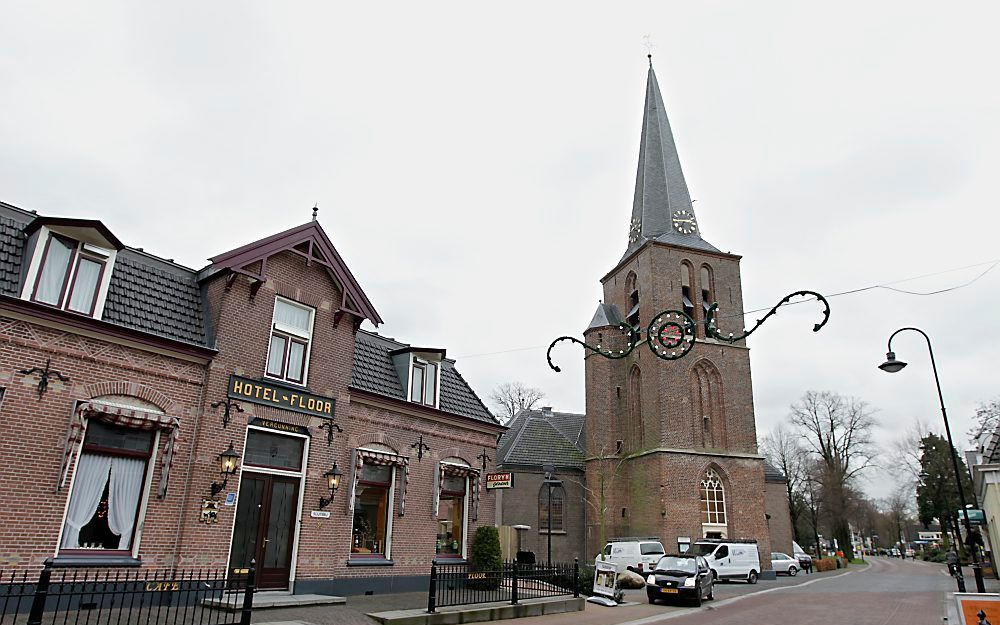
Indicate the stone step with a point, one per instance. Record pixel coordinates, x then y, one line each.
262 600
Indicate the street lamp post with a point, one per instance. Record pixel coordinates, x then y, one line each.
892 365
549 482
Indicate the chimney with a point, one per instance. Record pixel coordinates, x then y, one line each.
546 411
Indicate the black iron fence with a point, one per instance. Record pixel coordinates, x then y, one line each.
461 584
126 597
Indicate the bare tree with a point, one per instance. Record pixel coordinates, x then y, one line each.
986 420
782 450
904 455
836 431
510 398
597 494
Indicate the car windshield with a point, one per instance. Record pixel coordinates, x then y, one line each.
703 549
675 563
650 549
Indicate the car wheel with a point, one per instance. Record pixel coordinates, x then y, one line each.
793 571
651 599
752 577
711 593
697 599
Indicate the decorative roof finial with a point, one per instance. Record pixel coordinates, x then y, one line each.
649 49
315 211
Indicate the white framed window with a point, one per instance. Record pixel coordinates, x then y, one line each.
424 377
70 275
374 494
291 339
108 490
713 500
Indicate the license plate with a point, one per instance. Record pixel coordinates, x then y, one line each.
669 591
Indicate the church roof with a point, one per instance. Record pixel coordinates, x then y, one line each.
539 437
606 315
660 189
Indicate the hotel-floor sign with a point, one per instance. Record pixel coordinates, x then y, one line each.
499 480
277 396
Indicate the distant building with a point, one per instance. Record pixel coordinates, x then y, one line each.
536 438
779 518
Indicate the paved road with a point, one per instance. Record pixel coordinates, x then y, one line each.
888 591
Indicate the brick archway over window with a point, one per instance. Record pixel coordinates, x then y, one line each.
377 437
143 392
708 412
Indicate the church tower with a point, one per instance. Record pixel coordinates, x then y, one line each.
671 443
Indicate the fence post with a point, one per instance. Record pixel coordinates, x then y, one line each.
576 577
513 583
41 594
432 591
248 594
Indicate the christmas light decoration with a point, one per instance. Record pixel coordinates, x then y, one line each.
671 334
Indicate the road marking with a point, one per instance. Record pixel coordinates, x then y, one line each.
716 605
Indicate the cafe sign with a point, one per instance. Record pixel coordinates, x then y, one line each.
499 480
277 396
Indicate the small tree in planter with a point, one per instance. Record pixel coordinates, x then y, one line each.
487 558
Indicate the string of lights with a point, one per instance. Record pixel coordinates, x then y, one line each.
990 266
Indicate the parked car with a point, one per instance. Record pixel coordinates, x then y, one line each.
783 563
730 560
637 554
681 576
805 560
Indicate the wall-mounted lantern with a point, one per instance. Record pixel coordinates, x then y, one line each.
333 483
228 462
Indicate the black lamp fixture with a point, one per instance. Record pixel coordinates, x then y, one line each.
228 463
891 365
333 483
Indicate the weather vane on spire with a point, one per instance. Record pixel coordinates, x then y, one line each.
649 48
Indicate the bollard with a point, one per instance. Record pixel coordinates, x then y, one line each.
248 594
41 594
576 577
432 592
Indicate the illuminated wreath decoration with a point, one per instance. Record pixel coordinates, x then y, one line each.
671 334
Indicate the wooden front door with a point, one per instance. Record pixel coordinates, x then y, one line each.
265 527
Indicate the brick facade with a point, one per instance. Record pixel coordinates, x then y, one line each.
521 507
184 383
675 418
779 521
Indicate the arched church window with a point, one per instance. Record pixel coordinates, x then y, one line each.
713 499
632 292
707 290
635 426
558 497
687 297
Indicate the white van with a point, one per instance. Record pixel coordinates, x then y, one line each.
731 559
638 554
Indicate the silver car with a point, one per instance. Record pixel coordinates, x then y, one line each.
784 563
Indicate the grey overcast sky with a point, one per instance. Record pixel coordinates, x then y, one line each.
475 164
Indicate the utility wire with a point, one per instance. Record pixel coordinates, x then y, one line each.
887 286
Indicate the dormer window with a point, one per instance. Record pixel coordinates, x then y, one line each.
291 335
423 382
70 275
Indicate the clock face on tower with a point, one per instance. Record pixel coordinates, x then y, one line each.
684 222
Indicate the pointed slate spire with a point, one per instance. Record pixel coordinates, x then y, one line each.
662 208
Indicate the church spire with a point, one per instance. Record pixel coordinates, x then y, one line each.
662 209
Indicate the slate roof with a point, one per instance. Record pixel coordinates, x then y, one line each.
773 474
375 373
11 251
155 296
606 315
537 437
660 187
